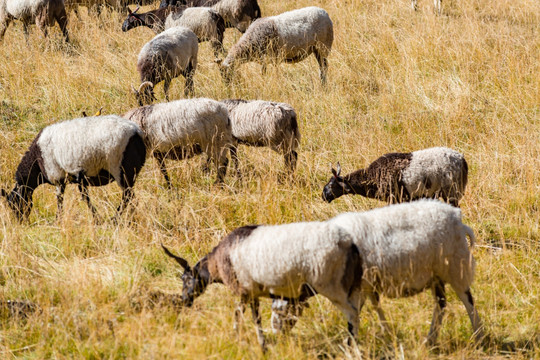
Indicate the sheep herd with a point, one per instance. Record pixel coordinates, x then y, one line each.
398 250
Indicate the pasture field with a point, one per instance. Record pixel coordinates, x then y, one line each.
398 81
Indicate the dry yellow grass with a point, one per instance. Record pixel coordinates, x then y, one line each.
398 81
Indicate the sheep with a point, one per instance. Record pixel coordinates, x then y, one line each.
184 128
289 37
97 5
437 5
42 12
205 22
277 261
265 123
236 13
407 248
398 177
153 19
84 151
166 56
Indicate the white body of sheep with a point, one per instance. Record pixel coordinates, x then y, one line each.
166 56
183 128
43 12
277 261
410 247
265 123
86 151
289 37
205 22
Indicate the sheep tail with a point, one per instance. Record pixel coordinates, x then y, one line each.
469 232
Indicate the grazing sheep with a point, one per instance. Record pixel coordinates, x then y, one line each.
42 12
289 37
437 6
184 128
398 177
277 261
265 123
98 5
236 13
205 22
166 56
86 151
153 19
408 248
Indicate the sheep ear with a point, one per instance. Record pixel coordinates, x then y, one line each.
182 262
338 169
134 91
84 114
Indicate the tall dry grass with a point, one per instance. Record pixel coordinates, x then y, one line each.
398 81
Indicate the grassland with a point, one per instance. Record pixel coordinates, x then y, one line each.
398 81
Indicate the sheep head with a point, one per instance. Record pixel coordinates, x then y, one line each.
195 279
133 20
336 186
145 94
19 200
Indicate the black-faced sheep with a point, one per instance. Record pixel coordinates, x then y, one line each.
86 151
398 177
166 56
277 261
184 128
407 248
265 123
289 37
236 13
205 22
43 12
153 19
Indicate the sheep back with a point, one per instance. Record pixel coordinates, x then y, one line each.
88 145
264 123
436 171
406 246
262 260
168 54
203 21
183 123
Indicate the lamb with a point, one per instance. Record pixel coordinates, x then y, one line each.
85 151
407 248
398 177
184 128
236 13
277 261
166 56
265 123
153 19
205 22
42 12
437 5
289 37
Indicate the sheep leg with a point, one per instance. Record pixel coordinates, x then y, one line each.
62 19
467 300
219 156
376 301
234 157
166 85
440 303
290 161
437 6
127 196
257 320
83 188
188 74
4 25
60 189
323 65
238 314
161 161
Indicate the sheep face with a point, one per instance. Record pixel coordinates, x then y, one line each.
336 187
145 94
195 279
133 20
19 200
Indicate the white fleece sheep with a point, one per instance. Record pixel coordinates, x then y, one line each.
397 177
289 37
205 22
88 151
265 123
43 12
277 261
183 128
166 56
409 247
